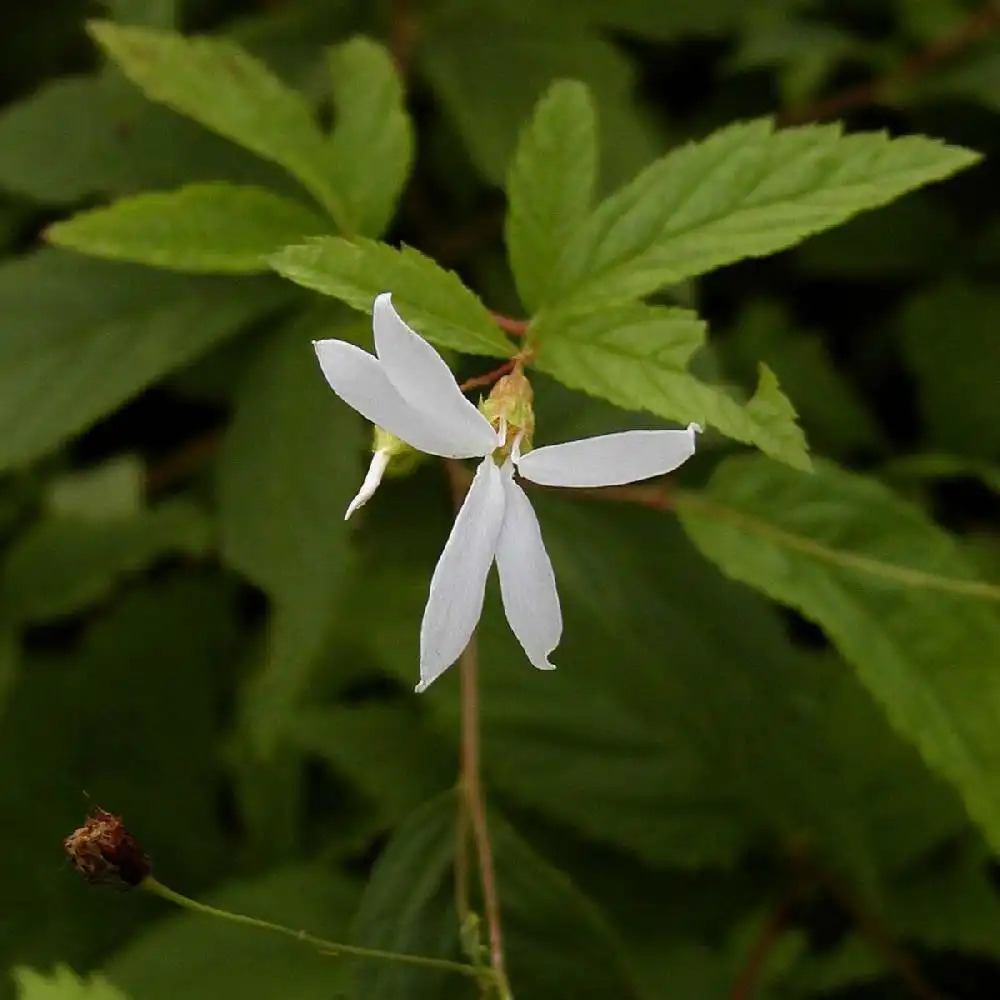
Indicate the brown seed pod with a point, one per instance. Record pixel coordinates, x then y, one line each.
103 851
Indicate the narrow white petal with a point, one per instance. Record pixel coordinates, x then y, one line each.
527 583
610 460
455 601
422 378
359 380
372 479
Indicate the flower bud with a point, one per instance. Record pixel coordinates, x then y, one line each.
511 404
102 850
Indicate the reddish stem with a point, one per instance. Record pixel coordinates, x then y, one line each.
515 327
490 377
974 29
770 934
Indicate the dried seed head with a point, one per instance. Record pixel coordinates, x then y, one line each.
103 851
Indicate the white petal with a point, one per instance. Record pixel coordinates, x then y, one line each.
359 380
527 582
610 460
372 479
422 378
455 601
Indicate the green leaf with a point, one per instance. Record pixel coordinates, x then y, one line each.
636 356
78 136
289 466
892 590
62 564
430 298
683 789
831 411
956 373
155 13
557 942
489 66
386 750
220 228
200 958
64 984
550 186
372 144
746 191
68 114
84 336
227 90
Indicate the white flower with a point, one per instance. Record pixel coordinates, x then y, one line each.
409 391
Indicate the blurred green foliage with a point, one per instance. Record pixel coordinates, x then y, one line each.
769 764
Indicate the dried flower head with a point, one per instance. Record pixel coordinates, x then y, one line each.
102 850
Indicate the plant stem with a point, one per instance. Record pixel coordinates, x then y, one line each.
490 377
151 885
762 948
517 327
978 26
471 798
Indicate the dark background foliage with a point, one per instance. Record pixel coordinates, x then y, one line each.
704 801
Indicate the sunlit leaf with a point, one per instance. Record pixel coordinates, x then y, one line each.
208 228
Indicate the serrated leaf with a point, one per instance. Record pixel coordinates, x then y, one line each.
550 186
557 941
221 86
613 723
64 984
204 959
746 191
83 336
430 298
372 143
62 564
489 66
636 357
892 590
220 228
290 463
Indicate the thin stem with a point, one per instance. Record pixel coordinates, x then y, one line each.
515 327
471 796
150 884
490 377
880 939
972 30
762 949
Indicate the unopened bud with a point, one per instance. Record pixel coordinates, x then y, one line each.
102 850
510 404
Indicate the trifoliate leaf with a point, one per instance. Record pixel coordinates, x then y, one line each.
372 143
746 191
550 186
430 298
892 590
64 984
227 90
221 228
84 336
636 357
